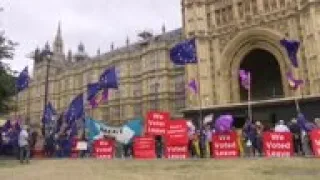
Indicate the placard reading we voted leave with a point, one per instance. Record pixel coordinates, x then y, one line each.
156 122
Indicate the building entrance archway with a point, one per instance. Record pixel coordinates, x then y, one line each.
265 73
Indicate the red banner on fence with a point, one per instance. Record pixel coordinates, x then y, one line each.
177 152
225 145
315 141
277 144
156 122
177 133
144 148
103 148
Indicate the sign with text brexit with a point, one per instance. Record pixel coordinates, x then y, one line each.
277 144
156 122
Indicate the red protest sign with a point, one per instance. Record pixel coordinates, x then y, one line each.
144 148
277 144
315 141
103 149
176 152
224 145
156 122
177 132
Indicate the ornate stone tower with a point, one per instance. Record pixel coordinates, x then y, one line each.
58 45
81 55
245 34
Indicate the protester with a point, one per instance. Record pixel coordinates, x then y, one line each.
257 144
296 131
208 133
127 148
33 141
191 136
24 147
84 140
249 137
49 146
159 146
281 127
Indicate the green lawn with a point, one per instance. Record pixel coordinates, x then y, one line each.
91 169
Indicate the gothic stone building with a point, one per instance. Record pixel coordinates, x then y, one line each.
147 79
245 34
230 35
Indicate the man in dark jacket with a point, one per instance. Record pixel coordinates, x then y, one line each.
296 131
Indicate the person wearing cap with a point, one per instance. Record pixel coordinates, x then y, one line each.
281 127
24 147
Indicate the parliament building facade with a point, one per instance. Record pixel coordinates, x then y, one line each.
230 35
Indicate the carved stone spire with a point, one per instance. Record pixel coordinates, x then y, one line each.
98 52
69 57
127 41
47 46
58 42
81 55
112 46
163 29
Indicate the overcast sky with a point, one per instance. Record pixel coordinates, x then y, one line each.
96 23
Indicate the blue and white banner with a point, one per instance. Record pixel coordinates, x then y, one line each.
124 134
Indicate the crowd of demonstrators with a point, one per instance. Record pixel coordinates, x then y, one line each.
9 138
17 140
250 138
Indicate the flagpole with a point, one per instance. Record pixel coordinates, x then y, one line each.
16 102
200 109
16 95
249 102
296 101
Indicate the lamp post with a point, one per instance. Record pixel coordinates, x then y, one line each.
15 73
46 54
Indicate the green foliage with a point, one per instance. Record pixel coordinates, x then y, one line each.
6 47
7 80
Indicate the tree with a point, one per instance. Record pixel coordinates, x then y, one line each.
6 47
7 79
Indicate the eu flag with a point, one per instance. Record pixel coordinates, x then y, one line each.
22 81
109 79
72 130
48 113
184 52
92 90
59 123
292 47
193 86
75 110
293 83
245 79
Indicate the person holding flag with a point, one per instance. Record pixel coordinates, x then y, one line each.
48 122
183 53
